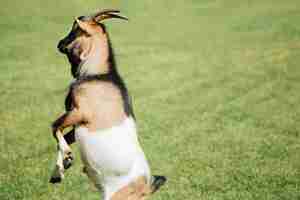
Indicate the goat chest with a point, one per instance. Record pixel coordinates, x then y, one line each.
113 157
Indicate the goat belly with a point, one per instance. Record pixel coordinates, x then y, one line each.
113 156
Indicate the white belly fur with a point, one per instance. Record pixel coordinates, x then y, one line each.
113 157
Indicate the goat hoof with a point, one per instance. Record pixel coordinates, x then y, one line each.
54 180
67 162
157 182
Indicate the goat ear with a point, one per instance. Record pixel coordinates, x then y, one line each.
84 26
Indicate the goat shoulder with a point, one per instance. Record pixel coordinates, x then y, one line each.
100 102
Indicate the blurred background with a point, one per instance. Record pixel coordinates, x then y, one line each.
215 87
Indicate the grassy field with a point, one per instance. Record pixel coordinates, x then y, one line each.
216 89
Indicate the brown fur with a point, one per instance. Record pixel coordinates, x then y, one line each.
91 40
100 103
137 190
97 105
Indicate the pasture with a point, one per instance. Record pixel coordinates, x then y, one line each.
215 87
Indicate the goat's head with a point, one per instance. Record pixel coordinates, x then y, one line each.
86 46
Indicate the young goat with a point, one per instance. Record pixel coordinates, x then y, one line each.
98 108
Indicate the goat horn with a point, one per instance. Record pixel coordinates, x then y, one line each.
104 11
107 14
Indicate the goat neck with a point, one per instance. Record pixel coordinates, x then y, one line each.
96 61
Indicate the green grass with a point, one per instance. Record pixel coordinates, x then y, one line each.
215 86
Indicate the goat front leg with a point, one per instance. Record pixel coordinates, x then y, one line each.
70 118
64 157
70 136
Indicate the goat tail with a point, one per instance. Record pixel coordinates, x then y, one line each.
157 182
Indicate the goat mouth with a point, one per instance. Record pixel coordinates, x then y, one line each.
74 61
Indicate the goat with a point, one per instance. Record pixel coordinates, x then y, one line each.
99 109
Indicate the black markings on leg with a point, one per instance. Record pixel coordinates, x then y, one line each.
70 137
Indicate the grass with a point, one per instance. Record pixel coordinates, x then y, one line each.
215 87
